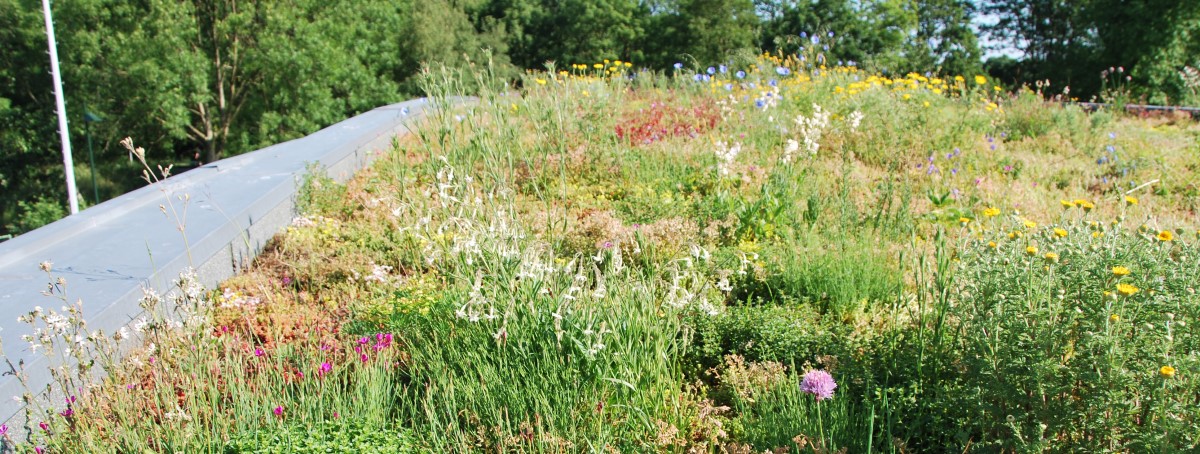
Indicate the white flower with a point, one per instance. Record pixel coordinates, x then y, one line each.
855 118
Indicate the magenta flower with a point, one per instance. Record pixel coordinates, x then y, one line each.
39 449
364 357
42 425
324 369
279 411
258 352
3 430
818 383
67 413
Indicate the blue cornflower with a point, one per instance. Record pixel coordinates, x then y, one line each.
782 71
728 87
723 69
678 66
773 83
740 74
711 70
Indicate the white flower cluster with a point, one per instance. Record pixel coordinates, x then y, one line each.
725 157
810 130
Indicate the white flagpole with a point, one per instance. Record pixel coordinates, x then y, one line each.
61 105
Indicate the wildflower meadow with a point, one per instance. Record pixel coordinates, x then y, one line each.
775 254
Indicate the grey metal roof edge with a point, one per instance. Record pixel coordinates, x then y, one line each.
232 230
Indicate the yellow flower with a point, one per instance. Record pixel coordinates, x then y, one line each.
1166 371
1014 234
1126 289
1097 234
1114 318
628 65
990 212
1120 271
1058 232
1165 235
1087 206
1131 200
1051 257
541 81
1080 202
991 244
1031 250
598 65
980 80
1030 224
1067 203
964 220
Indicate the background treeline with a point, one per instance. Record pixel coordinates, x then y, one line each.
197 80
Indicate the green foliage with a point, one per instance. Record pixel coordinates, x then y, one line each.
37 214
1071 348
337 436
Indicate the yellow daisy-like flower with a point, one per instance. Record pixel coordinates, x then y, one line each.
1131 200
980 80
1097 234
991 244
1126 289
1166 371
1051 257
1058 232
598 65
1165 235
1120 271
1031 250
1030 224
1114 318
1014 235
1087 206
991 212
1067 204
1079 201
964 221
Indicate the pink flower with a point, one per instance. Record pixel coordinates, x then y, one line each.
44 426
67 413
279 411
39 449
3 430
364 357
258 352
324 369
818 383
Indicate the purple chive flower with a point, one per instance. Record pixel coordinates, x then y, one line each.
818 383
